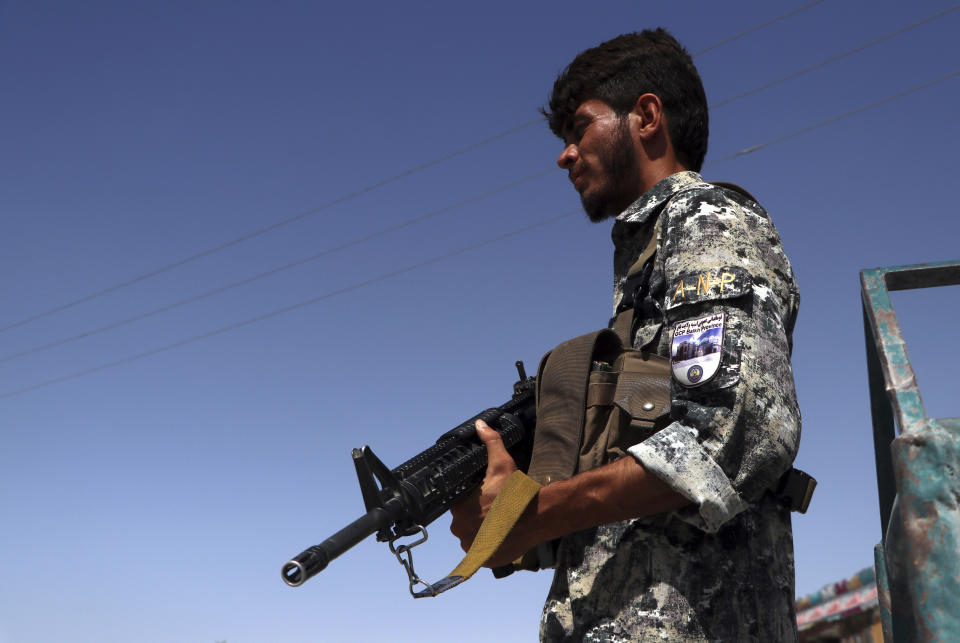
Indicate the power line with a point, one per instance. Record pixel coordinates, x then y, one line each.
448 255
284 222
274 271
754 148
834 59
757 28
291 308
428 215
264 230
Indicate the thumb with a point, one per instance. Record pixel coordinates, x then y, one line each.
497 455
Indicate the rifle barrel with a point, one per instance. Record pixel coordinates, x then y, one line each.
314 560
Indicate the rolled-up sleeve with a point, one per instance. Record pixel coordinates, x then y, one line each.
728 301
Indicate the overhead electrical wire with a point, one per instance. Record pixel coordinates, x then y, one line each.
291 308
266 229
756 28
274 271
834 59
294 264
448 255
398 226
351 195
833 119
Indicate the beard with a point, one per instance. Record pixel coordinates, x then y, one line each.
619 164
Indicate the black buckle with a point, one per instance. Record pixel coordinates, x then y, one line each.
796 489
635 287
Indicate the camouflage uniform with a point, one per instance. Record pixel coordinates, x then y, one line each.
721 568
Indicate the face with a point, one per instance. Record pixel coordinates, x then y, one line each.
600 158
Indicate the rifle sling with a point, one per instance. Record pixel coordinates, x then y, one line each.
506 509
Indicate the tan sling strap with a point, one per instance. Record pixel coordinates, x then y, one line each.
507 507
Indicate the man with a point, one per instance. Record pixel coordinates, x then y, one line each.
685 540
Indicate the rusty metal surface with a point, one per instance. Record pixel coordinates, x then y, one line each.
926 463
884 430
899 378
920 553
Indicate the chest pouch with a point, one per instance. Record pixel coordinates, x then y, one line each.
595 399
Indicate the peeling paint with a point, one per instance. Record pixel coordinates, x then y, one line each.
919 559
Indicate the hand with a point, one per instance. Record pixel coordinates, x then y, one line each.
469 513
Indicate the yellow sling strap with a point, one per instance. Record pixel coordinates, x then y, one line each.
510 503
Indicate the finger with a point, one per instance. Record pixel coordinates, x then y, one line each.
491 438
497 456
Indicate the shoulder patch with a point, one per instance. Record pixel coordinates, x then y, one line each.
696 349
711 284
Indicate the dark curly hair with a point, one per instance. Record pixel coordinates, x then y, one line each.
619 71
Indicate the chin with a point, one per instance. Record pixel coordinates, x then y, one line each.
596 209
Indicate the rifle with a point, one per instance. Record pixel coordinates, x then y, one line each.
421 489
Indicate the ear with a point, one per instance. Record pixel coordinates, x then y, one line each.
648 111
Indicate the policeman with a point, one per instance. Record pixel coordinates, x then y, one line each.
684 539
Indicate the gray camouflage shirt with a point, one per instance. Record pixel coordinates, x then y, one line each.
720 569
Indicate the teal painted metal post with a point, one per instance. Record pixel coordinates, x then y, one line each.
918 471
883 591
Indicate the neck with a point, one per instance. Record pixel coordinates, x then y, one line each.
657 170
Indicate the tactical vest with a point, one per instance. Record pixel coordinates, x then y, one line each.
596 397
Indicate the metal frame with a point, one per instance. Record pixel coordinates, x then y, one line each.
918 471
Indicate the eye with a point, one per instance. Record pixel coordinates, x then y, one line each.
577 129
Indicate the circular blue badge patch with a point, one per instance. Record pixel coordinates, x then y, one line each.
694 373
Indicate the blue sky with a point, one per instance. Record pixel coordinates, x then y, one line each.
155 497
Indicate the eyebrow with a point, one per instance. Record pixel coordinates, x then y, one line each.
575 123
579 119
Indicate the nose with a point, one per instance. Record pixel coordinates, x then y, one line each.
568 157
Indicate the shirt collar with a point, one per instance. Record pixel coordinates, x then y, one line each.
651 200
